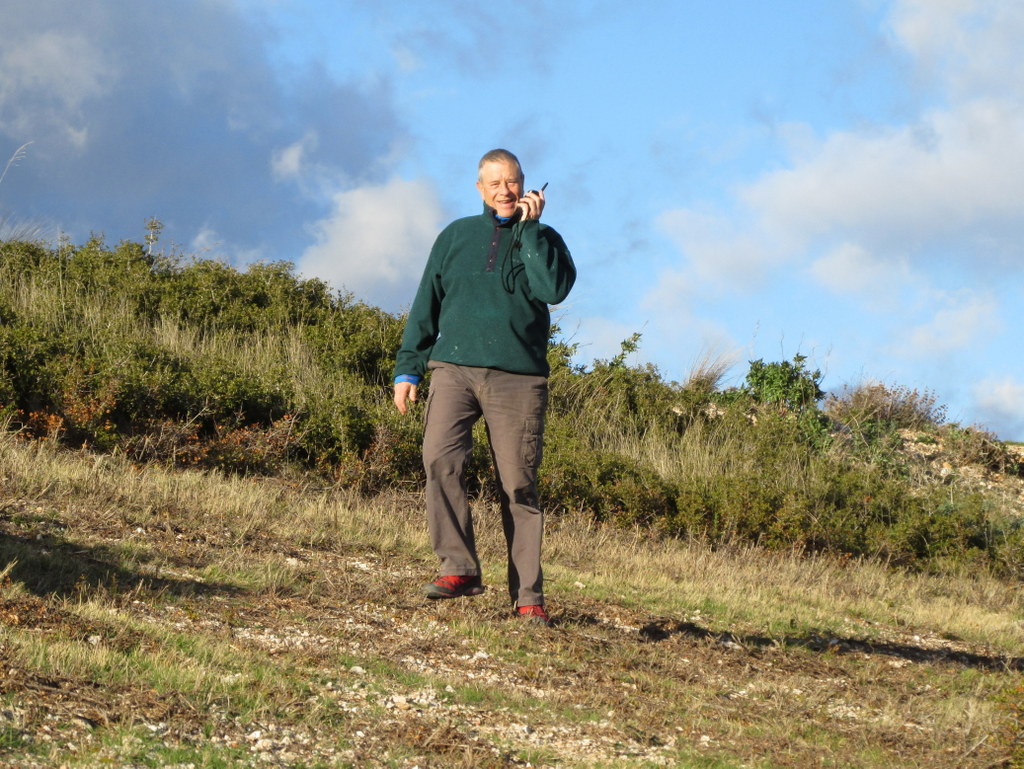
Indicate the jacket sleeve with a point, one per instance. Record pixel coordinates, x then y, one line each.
421 326
549 267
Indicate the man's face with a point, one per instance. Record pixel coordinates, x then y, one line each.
500 186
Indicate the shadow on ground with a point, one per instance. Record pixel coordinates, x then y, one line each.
50 565
661 630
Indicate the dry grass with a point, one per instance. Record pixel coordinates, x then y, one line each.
16 157
150 617
709 370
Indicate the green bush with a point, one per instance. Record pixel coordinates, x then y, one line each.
788 385
357 338
95 372
26 356
334 429
603 485
196 363
212 295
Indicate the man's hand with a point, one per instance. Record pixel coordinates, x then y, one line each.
405 392
532 204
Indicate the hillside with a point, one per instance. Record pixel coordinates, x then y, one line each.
191 363
211 550
157 617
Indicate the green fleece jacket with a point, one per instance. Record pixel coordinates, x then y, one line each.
483 299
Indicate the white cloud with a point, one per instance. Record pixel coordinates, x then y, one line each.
967 319
717 250
181 112
406 59
1001 404
914 221
290 162
47 78
205 242
967 45
849 269
952 174
672 289
63 64
853 270
208 244
943 187
376 240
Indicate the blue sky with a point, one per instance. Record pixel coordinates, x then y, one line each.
840 179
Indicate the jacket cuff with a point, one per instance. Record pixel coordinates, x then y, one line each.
410 378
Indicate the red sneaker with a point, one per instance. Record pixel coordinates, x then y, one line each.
534 614
454 586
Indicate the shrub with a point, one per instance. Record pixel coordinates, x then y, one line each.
86 364
604 485
391 461
245 449
788 385
242 396
974 446
210 294
26 365
197 363
875 403
612 402
335 428
357 338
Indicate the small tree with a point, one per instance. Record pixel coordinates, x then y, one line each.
789 385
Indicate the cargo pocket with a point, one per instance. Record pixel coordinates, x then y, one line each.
431 367
533 441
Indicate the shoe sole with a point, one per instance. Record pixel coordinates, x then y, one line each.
434 593
533 619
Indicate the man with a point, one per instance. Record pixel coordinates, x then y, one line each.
480 324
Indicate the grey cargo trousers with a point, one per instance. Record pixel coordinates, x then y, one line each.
513 407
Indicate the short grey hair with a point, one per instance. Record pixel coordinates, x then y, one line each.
499 156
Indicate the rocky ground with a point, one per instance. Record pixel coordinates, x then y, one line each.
827 679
